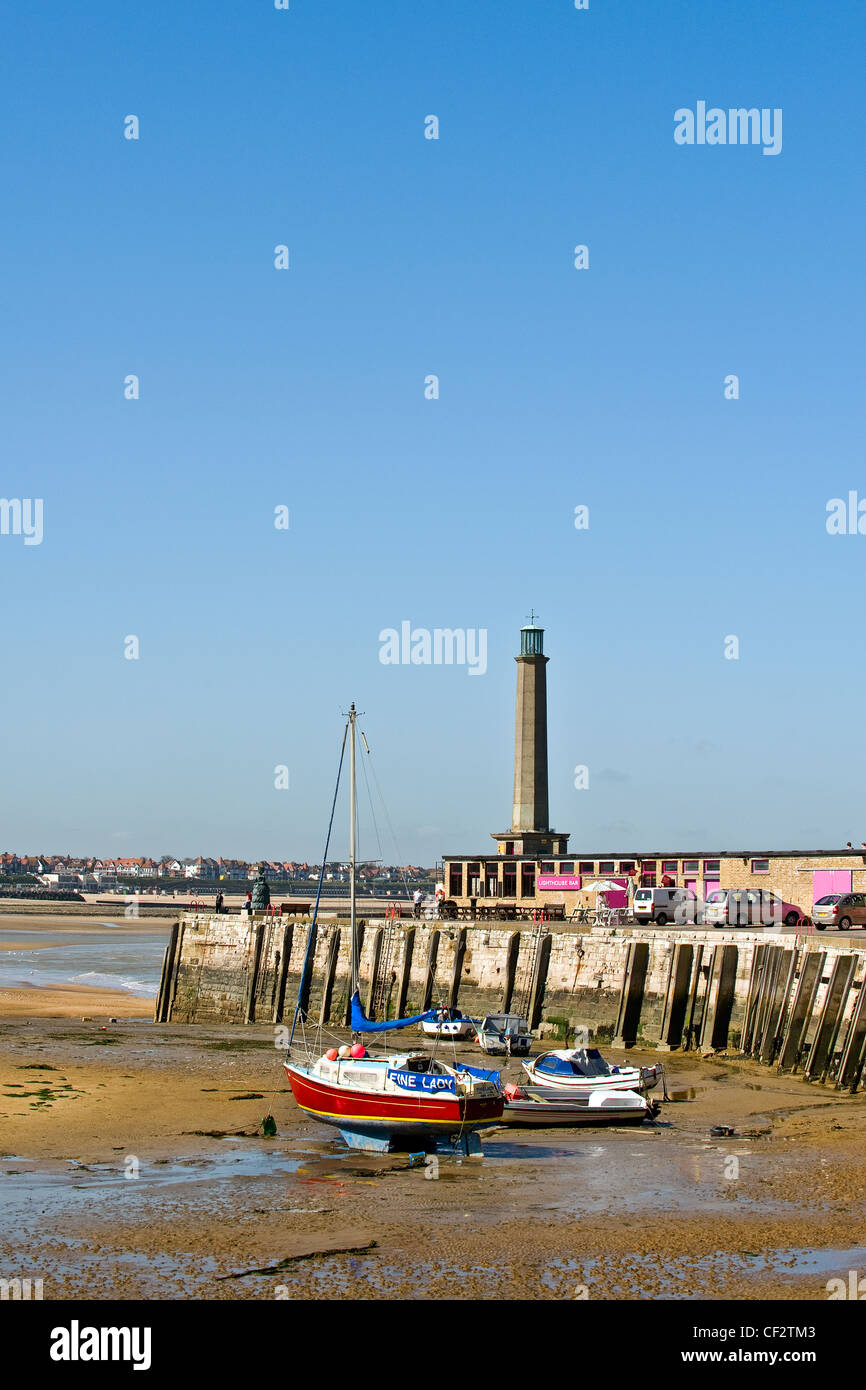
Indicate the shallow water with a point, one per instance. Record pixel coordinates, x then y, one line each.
118 958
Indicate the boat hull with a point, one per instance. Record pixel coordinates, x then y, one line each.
569 1115
644 1080
405 1122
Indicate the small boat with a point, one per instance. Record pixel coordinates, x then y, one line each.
538 1107
449 1023
505 1034
582 1070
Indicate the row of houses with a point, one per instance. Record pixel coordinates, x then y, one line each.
71 871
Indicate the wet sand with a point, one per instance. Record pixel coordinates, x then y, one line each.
72 1001
665 1212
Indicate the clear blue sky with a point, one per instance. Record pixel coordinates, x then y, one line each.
558 387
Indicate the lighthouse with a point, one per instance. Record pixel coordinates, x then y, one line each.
530 831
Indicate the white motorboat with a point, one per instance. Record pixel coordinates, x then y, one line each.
581 1070
449 1023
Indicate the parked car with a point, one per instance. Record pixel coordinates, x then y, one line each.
662 905
750 907
842 910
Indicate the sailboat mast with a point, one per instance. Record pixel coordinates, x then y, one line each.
356 965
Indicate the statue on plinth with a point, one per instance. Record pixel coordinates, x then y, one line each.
261 892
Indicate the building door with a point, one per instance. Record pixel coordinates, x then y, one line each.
826 881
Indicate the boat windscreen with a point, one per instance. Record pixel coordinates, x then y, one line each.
588 1061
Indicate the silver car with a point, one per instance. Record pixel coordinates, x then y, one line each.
744 907
842 910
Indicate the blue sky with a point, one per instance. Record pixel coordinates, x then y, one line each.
305 388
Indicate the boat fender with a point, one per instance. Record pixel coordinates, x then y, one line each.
332 1054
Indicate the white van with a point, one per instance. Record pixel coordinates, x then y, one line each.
662 905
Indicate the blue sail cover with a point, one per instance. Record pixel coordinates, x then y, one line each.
362 1024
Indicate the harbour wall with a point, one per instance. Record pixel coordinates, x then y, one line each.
786 998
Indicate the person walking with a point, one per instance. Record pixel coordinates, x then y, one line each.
219 902
417 900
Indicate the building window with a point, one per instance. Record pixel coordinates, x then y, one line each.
509 880
605 866
473 885
567 866
669 866
648 866
712 866
509 846
527 880
760 866
648 881
548 866
690 866
455 880
586 866
625 865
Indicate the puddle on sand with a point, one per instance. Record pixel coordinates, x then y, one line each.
650 1276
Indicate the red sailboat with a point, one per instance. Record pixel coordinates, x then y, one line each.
406 1100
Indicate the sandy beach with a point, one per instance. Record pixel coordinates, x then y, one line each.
72 1001
134 1166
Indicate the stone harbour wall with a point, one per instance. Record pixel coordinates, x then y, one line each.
770 993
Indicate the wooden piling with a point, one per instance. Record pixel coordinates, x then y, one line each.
821 1052
794 1034
753 996
691 1011
510 970
165 979
720 997
772 963
854 1051
430 977
306 979
286 951
539 979
360 930
250 1008
776 1013
631 994
459 953
405 971
178 957
676 998
374 970
330 974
